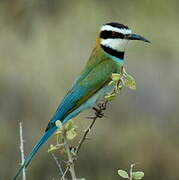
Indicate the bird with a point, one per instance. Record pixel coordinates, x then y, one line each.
107 57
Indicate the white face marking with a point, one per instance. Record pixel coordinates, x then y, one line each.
116 44
120 30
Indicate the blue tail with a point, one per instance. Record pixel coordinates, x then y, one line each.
35 149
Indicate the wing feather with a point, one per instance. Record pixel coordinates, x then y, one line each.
84 88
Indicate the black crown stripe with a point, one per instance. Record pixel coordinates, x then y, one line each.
118 25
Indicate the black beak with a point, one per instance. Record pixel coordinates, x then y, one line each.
136 37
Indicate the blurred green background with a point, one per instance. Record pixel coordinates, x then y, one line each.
43 46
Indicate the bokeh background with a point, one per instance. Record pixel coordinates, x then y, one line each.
43 46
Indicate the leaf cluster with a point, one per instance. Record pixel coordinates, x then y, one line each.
136 175
66 132
119 81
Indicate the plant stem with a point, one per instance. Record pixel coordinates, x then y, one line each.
130 171
85 135
22 150
66 170
58 165
98 114
71 161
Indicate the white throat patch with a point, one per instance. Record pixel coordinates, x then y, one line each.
116 44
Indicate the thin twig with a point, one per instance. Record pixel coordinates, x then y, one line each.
58 165
65 172
85 134
131 171
71 161
98 114
22 150
80 143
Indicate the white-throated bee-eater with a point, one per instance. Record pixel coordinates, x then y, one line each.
92 84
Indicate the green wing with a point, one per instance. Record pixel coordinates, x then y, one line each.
97 57
96 79
96 74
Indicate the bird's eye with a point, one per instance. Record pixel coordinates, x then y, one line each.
114 34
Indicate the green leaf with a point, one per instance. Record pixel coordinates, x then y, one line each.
111 82
123 174
129 82
60 138
70 125
52 148
110 97
138 175
71 134
116 76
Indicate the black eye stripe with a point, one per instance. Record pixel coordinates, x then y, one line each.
111 35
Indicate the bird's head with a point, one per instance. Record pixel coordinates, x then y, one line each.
115 36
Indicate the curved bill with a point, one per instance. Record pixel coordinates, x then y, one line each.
136 37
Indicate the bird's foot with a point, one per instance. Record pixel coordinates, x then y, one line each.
102 105
98 112
96 109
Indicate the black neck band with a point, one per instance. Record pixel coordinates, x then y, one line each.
113 52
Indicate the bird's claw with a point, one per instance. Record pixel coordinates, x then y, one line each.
99 114
102 106
96 109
